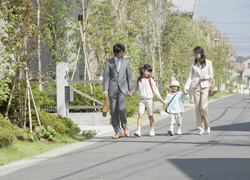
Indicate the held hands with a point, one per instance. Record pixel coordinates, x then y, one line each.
106 93
163 102
185 91
130 93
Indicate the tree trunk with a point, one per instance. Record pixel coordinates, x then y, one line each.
25 109
79 49
20 98
39 48
30 120
159 50
11 96
34 104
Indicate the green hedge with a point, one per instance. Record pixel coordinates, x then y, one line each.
7 132
132 104
60 124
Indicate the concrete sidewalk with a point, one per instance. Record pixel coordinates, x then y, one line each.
104 132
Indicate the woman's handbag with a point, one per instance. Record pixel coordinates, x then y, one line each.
213 89
166 110
105 107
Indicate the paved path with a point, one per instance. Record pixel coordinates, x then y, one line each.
222 155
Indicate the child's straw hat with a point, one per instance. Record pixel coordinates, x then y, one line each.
175 83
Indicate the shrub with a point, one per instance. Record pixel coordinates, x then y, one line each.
72 128
6 137
60 124
4 90
49 120
7 132
40 97
26 135
89 133
132 105
46 133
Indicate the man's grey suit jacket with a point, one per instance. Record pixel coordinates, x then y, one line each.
113 80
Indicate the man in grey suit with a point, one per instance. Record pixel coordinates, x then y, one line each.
118 85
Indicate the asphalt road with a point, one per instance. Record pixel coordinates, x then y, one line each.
222 155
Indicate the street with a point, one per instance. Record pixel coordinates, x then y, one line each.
224 154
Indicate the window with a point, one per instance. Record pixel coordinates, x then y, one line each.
80 17
248 65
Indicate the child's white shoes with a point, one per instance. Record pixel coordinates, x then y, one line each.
171 132
179 132
152 133
137 133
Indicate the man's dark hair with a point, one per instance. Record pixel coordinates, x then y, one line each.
118 47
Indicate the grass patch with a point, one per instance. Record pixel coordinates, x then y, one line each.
22 149
219 95
133 120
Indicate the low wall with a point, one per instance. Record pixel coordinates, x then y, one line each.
90 118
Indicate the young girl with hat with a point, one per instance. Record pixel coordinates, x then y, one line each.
175 107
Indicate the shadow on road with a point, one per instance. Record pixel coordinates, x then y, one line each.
233 127
214 168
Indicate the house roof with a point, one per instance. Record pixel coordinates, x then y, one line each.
184 6
248 58
240 67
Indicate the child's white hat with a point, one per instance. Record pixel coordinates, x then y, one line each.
175 83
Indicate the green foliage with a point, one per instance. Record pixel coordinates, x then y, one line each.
40 97
7 132
132 105
72 128
89 133
4 90
46 133
26 135
6 137
58 123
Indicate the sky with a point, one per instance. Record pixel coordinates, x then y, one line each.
232 18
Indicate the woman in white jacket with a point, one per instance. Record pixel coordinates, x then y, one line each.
201 72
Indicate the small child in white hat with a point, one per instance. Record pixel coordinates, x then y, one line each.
175 108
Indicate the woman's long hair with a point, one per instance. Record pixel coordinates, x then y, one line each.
145 67
200 50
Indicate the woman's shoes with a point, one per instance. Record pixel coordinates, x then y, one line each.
208 130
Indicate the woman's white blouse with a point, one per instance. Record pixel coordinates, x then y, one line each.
196 71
